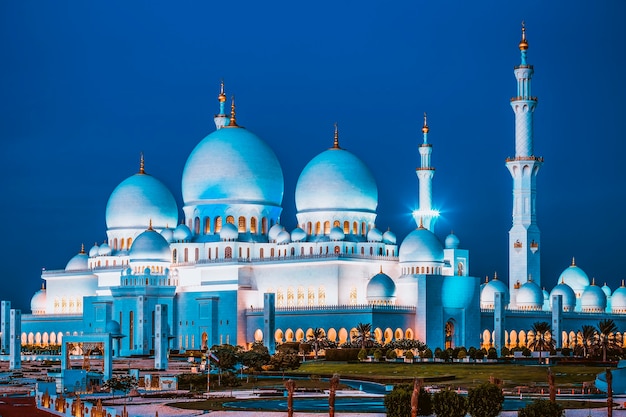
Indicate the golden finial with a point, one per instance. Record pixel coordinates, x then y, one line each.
336 139
82 248
530 277
486 279
495 275
622 283
573 261
150 225
141 164
562 280
222 96
425 127
523 44
233 120
43 285
381 269
421 226
593 281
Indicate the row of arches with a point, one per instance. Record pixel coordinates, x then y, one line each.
340 336
319 228
99 263
44 338
524 338
428 270
244 225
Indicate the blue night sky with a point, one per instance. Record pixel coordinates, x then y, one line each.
87 86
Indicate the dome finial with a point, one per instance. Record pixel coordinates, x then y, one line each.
222 96
523 44
486 279
622 283
150 225
425 127
43 285
593 281
495 275
142 169
381 269
573 261
82 248
530 277
421 226
233 120
336 139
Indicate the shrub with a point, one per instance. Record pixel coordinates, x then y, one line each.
427 354
492 353
485 400
462 354
438 353
479 354
566 352
505 352
447 403
378 354
398 402
526 352
409 354
391 354
362 354
472 352
542 408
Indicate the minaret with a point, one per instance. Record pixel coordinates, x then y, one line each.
524 236
425 216
220 118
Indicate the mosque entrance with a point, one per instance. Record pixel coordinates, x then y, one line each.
449 332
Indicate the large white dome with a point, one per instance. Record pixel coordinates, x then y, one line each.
336 180
487 294
232 165
150 247
576 278
568 296
593 299
530 296
421 245
139 200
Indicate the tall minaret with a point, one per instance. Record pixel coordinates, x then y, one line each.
220 118
425 216
524 236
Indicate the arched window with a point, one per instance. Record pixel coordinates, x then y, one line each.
311 250
122 243
302 251
337 250
131 331
240 252
311 296
336 223
355 228
186 255
115 244
363 229
317 228
242 224
353 296
218 224
207 225
208 253
326 227
346 227
217 252
293 251
272 253
280 297
290 298
261 253
253 225
196 226
228 252
362 250
300 296
309 228
264 225
197 254
230 219
321 296
129 242
371 251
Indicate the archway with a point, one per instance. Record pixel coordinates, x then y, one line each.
449 333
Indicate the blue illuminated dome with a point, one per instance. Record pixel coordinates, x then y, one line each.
389 237
232 165
568 296
336 234
530 296
138 200
229 232
79 262
38 302
380 289
336 180
606 289
618 300
575 278
298 235
593 299
181 233
421 245
150 246
452 241
283 238
487 294
374 235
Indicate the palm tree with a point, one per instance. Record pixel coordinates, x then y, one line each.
541 341
315 337
588 334
364 334
606 337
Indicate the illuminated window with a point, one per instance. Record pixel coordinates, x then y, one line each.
311 296
218 224
326 227
300 296
207 225
264 225
309 228
317 228
290 298
355 228
321 296
115 244
346 227
280 297
363 229
196 226
122 243
228 252
336 223
353 296
129 242
272 253
253 225
242 224
337 250
197 254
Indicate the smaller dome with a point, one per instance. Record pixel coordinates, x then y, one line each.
150 246
452 241
79 262
105 250
489 290
575 278
380 288
283 238
336 233
389 237
374 235
618 300
593 299
38 302
298 235
182 233
274 231
530 296
229 232
93 252
607 290
567 294
168 234
113 327
421 245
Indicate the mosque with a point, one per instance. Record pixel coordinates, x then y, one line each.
215 274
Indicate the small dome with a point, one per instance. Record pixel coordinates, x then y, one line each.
38 302
298 235
421 245
138 200
79 262
93 252
380 288
530 296
336 233
181 233
593 299
283 238
113 327
607 290
374 235
168 234
489 290
105 250
568 296
618 300
150 246
229 232
452 241
575 278
274 231
389 237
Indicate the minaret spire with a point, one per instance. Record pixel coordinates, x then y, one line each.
425 215
336 139
233 119
220 118
524 236
141 164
